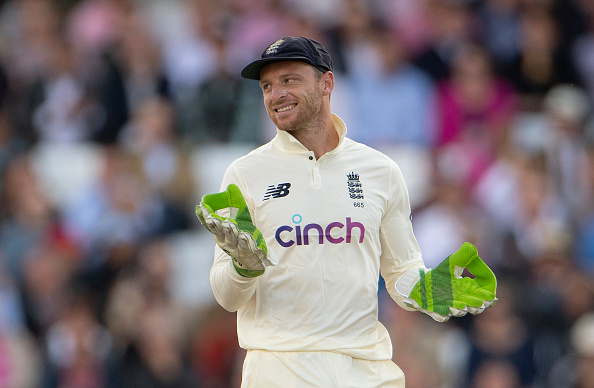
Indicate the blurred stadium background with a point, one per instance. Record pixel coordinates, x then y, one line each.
116 116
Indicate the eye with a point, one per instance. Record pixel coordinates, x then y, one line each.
265 87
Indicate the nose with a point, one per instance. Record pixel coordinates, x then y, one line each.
278 92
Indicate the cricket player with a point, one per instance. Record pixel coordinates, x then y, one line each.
304 227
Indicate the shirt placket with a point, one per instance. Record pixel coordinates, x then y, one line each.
316 176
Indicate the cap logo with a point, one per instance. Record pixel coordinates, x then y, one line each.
274 47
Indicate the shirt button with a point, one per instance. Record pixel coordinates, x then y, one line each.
310 157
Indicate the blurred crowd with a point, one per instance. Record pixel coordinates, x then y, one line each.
116 116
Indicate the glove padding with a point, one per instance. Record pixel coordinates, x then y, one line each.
236 235
442 292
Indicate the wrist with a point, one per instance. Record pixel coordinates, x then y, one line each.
245 272
405 283
235 275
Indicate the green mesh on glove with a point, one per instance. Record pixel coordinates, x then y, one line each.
236 235
443 290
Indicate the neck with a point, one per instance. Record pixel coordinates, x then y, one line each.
320 138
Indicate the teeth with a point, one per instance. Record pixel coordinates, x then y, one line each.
286 108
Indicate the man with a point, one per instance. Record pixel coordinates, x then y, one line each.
336 213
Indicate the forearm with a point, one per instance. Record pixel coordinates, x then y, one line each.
401 255
230 289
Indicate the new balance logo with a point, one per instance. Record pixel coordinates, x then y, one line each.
280 190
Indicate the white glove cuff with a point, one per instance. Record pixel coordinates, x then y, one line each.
407 281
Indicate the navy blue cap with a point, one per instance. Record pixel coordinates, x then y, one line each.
290 48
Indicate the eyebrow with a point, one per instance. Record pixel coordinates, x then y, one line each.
283 75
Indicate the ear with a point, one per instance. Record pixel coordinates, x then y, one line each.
328 82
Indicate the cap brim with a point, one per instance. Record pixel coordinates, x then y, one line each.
252 71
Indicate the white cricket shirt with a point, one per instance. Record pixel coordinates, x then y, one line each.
334 224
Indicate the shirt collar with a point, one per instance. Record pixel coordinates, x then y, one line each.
287 142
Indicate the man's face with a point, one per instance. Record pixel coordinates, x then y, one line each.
293 94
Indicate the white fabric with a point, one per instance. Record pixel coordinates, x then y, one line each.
317 369
322 295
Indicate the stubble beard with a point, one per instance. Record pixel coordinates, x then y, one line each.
307 119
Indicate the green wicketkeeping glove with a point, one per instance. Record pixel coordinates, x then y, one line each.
236 235
442 292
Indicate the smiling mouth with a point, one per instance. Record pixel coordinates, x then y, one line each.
285 108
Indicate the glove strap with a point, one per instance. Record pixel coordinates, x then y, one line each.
246 273
405 283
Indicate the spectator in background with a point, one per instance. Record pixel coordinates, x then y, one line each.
10 144
451 24
573 20
150 329
555 295
582 49
159 360
94 28
49 270
30 29
188 56
77 348
475 110
12 315
152 137
106 85
142 286
585 227
541 221
253 23
497 374
20 360
114 216
501 343
576 369
3 79
500 21
216 104
349 38
65 112
34 247
392 100
538 259
216 355
449 217
26 215
140 59
567 109
409 20
418 342
542 62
